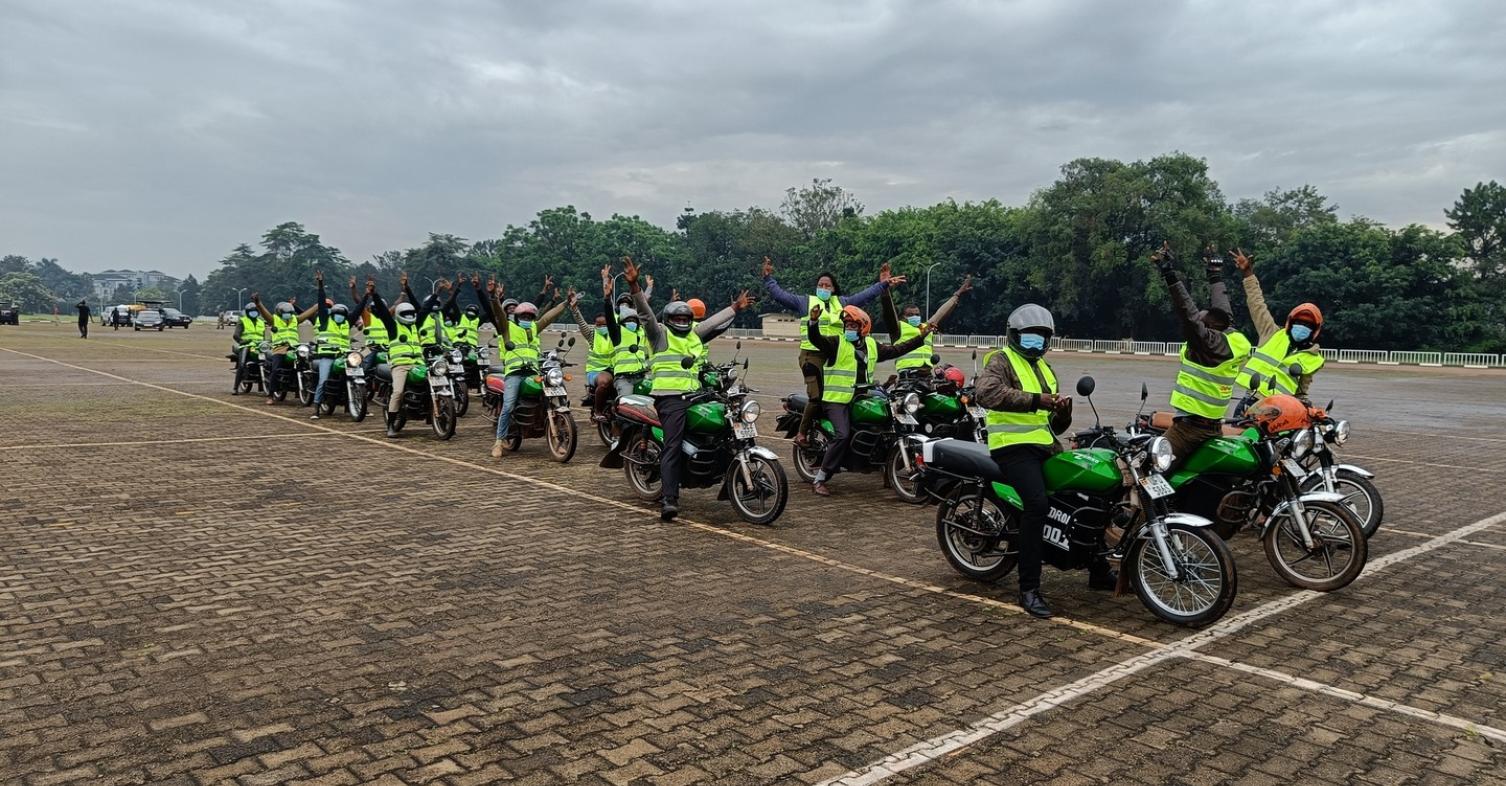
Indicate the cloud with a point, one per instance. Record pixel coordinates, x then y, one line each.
159 133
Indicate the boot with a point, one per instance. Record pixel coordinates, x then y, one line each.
1034 604
669 509
498 448
391 425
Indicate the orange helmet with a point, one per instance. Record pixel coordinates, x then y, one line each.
858 315
1275 414
1306 314
697 308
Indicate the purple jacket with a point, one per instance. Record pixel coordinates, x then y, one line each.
799 304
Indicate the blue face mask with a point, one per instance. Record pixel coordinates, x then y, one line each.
1301 332
850 335
823 294
1032 341
601 330
631 327
914 321
526 324
339 319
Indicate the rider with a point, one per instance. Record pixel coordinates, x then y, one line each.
373 331
829 297
518 334
629 349
674 384
1211 358
1025 413
1280 347
249 330
918 360
598 341
333 329
284 326
848 362
403 349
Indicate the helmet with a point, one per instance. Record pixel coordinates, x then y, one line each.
1275 414
697 308
406 313
948 374
1030 318
284 309
624 299
526 310
1310 315
252 311
340 309
508 305
471 310
858 315
625 313
678 317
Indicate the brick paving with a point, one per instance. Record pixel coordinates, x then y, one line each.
216 611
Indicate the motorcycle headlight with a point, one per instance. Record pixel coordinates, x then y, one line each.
750 411
353 359
911 403
1161 454
1340 432
303 350
554 377
456 357
1302 443
439 367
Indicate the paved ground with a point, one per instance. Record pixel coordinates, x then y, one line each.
201 589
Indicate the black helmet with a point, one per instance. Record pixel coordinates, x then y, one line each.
252 311
1030 318
405 313
340 311
471 310
679 317
509 303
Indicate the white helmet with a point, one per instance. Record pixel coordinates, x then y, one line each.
405 313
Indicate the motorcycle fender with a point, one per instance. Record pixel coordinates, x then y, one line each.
762 452
613 459
1310 496
1186 518
1361 471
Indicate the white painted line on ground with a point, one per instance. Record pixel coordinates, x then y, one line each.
924 753
1491 470
1486 545
149 442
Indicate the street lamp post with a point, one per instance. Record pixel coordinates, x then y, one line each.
238 300
928 289
433 284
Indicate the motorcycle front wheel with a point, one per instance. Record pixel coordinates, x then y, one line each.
762 501
1360 496
443 420
1339 547
562 436
972 531
902 480
1206 580
305 390
642 468
355 401
462 399
807 460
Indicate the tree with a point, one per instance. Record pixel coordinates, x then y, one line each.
188 293
27 290
1479 216
819 206
122 295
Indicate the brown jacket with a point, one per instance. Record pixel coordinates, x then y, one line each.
998 388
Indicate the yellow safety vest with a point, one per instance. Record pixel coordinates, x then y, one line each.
284 331
405 348
1022 428
375 333
1273 359
829 323
1203 391
629 356
334 338
839 381
252 331
465 331
919 357
669 375
525 348
602 352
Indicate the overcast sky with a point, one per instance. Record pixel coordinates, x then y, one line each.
147 134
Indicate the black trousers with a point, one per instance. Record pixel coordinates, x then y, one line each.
841 423
672 411
1022 469
83 327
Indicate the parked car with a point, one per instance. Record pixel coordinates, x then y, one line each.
229 319
172 317
10 314
149 319
119 316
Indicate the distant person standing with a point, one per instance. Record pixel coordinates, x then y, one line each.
83 318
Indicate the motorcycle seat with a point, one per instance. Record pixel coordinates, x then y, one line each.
384 372
639 408
964 458
497 368
1160 421
795 402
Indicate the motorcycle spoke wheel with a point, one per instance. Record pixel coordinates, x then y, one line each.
1204 585
1338 552
902 480
808 459
763 501
643 469
562 436
973 532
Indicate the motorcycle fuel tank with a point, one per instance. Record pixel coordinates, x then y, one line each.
870 409
707 417
1223 456
936 405
1087 469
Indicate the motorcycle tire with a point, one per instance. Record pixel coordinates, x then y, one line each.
1367 503
643 478
605 432
356 404
1196 550
443 419
400 421
562 436
1338 532
763 502
462 400
305 392
807 460
245 386
902 481
965 551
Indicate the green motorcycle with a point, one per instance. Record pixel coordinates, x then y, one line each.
1106 502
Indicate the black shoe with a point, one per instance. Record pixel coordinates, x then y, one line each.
1103 582
1034 604
669 509
391 431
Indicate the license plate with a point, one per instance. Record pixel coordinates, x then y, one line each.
554 391
1291 467
906 418
742 430
978 413
1157 487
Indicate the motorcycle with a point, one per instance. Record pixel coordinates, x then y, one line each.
346 388
1349 481
720 446
885 434
458 358
1250 478
946 412
249 381
428 394
543 405
1106 502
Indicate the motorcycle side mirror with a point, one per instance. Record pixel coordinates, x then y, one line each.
935 360
739 344
1086 386
1295 370
1144 392
572 341
1329 408
1255 380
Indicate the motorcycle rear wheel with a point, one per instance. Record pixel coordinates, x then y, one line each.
763 502
975 556
1336 532
443 420
1360 496
1208 584
900 479
643 474
562 436
807 460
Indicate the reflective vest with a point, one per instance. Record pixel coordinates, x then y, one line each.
375 333
602 352
828 324
1022 428
465 331
252 331
1204 391
704 359
284 331
405 348
334 338
669 376
919 357
629 357
428 329
1272 360
839 381
525 348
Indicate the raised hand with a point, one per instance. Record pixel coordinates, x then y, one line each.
967 285
1163 259
768 266
370 285
895 281
674 294
629 270
491 285
352 282
742 301
884 272
1243 261
816 311
256 298
402 280
548 282
319 277
572 297
649 280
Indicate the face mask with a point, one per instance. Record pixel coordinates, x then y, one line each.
631 327
823 294
526 324
601 330
1032 341
914 321
850 335
339 319
1301 332
253 315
